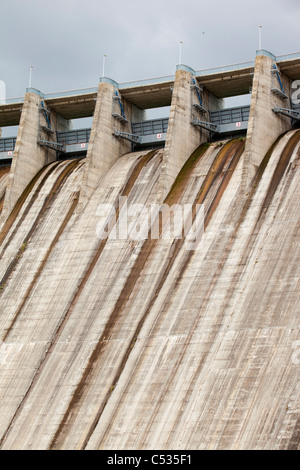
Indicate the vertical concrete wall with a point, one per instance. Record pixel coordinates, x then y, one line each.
104 148
29 157
183 137
264 125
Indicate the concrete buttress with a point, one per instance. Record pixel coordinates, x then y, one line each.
29 156
264 125
183 137
104 148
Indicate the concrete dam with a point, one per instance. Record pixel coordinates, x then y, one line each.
118 336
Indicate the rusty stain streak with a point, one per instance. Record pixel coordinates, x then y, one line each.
282 165
172 197
42 265
28 292
28 207
126 190
96 256
119 307
279 171
3 171
179 184
244 210
223 157
257 178
227 157
275 180
59 181
19 204
234 154
211 192
227 249
69 214
2 202
215 170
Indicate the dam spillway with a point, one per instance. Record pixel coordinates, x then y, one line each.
141 343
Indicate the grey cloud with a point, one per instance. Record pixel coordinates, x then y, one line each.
65 40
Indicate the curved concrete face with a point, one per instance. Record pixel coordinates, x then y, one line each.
29 156
117 336
4 170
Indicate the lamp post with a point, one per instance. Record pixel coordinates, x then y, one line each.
180 45
30 75
259 37
103 67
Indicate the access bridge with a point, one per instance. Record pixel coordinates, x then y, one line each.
221 82
7 145
144 134
119 125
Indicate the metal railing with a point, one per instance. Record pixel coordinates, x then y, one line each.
147 81
7 144
290 56
153 126
76 136
230 115
61 94
225 68
9 101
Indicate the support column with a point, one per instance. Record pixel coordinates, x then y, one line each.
29 157
183 137
105 148
264 125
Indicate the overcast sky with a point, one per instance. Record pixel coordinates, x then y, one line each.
65 40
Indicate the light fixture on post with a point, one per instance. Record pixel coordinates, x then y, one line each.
30 75
103 64
259 37
180 46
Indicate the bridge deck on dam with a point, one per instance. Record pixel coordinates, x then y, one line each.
7 146
225 81
144 133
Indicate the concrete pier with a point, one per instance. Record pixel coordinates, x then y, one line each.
183 137
264 125
104 147
29 156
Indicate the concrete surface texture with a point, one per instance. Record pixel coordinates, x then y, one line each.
121 343
4 171
261 136
29 156
104 148
182 136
